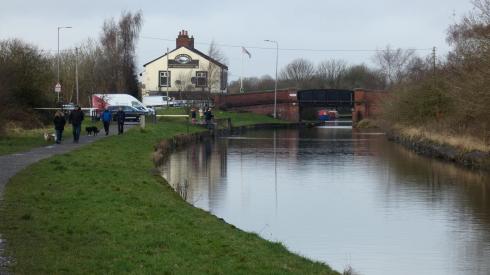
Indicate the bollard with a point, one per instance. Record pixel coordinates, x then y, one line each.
142 122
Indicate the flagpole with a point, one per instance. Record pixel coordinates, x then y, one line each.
241 76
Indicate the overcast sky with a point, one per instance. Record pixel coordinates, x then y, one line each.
320 25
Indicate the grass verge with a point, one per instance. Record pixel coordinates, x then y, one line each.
464 143
242 119
101 210
20 140
238 119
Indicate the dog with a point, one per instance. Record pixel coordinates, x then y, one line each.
92 130
49 137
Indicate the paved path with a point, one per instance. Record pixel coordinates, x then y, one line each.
13 163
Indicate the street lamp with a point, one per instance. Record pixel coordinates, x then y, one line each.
275 85
67 27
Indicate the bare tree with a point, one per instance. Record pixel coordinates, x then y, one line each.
361 76
393 63
112 62
418 68
331 72
183 82
299 72
119 43
214 70
266 82
253 84
129 29
469 67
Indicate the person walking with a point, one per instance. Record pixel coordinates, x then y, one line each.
121 116
208 117
59 125
106 117
201 114
76 118
193 115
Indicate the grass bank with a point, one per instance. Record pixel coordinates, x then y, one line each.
102 210
463 149
18 140
465 143
238 119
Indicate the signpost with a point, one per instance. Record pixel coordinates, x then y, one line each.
57 89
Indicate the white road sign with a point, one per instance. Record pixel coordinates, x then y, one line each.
57 88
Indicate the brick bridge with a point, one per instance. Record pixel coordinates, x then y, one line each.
294 105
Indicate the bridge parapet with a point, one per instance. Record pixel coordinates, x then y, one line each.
262 103
254 98
367 103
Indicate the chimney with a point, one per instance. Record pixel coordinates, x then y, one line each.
183 40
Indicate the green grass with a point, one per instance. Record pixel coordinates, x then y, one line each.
238 119
172 111
242 119
100 210
20 140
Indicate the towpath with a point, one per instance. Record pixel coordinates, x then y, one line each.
13 163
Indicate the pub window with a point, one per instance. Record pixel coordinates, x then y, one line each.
164 78
202 79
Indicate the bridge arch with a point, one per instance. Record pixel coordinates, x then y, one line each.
313 100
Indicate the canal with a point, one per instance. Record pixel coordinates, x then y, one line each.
344 197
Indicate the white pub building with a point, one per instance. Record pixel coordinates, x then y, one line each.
184 69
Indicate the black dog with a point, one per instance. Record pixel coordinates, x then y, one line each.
92 130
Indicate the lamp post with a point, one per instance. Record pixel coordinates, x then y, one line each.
67 27
168 78
76 72
275 85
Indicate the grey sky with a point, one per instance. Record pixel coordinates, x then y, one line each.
324 25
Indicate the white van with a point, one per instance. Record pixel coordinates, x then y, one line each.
157 101
101 101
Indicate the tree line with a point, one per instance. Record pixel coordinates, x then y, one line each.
28 74
394 65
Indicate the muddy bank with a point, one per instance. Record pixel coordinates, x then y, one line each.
472 159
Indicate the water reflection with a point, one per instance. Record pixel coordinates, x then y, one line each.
344 197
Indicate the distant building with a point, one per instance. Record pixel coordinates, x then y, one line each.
187 70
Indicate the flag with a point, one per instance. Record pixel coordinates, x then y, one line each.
246 52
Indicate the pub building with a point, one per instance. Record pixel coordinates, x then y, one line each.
185 72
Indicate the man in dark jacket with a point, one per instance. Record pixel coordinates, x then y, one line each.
121 116
208 117
76 118
59 125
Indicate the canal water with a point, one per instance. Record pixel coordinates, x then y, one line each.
344 197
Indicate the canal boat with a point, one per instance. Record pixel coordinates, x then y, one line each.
327 115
